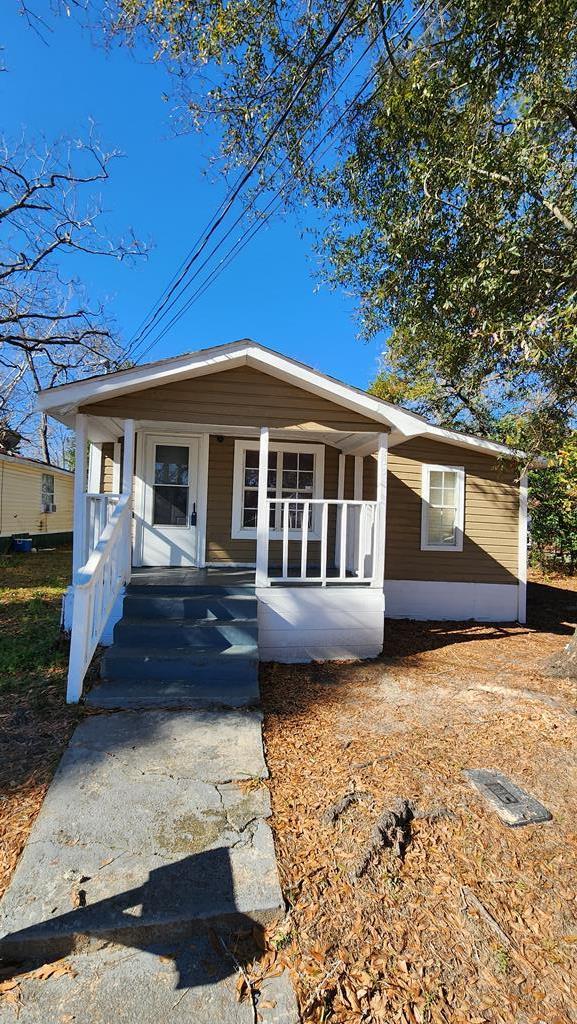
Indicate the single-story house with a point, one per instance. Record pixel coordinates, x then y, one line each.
342 508
35 499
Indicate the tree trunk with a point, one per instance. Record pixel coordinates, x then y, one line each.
564 664
44 437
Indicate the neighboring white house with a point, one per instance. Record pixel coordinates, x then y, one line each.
36 499
347 507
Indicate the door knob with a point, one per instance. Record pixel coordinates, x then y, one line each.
193 514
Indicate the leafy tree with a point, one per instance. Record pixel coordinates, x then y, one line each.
553 505
50 332
450 186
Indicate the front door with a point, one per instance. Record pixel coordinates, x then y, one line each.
170 501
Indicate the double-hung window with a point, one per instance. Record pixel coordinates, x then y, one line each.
443 508
47 493
294 471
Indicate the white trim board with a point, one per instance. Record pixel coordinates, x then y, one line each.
522 548
457 602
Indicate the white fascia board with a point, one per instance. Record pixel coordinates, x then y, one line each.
333 390
65 399
139 378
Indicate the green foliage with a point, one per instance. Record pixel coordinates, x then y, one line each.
450 191
553 506
30 605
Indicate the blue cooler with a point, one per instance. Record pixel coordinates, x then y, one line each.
22 544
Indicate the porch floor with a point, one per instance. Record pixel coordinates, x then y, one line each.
215 579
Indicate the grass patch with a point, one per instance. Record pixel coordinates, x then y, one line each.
31 647
35 721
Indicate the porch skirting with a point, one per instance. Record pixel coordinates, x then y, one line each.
433 600
301 624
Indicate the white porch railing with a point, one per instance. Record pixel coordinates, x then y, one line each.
343 535
99 509
96 587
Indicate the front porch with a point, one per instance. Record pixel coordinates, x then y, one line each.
204 513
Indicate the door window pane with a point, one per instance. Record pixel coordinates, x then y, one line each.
171 464
170 506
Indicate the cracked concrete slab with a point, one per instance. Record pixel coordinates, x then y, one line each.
146 831
192 981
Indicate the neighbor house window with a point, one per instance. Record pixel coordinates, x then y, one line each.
443 507
47 496
294 471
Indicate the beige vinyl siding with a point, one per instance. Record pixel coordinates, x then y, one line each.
490 543
21 499
107 467
242 396
219 545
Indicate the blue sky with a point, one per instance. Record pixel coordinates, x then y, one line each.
160 188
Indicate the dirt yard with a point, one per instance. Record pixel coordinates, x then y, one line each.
478 923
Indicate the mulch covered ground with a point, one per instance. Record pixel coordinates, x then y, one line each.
478 922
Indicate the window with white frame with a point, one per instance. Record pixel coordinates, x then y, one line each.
443 508
47 494
294 471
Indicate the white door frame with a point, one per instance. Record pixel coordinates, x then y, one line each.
172 437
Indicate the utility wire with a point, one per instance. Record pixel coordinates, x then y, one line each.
262 188
291 183
273 131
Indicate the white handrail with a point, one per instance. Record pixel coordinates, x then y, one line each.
96 588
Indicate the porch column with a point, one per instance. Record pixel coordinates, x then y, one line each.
128 457
127 488
94 467
79 521
262 520
381 523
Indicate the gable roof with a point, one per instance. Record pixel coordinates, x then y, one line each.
63 401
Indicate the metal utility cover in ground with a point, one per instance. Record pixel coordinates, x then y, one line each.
513 805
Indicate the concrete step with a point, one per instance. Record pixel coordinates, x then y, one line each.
236 664
150 694
190 608
166 633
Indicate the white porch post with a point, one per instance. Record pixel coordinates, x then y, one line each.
262 520
94 466
381 523
522 549
79 523
127 488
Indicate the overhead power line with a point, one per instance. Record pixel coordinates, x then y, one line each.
276 201
245 177
262 188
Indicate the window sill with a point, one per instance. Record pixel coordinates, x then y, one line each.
453 549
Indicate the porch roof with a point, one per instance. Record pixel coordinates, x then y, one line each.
63 402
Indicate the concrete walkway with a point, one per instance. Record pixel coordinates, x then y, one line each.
151 868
